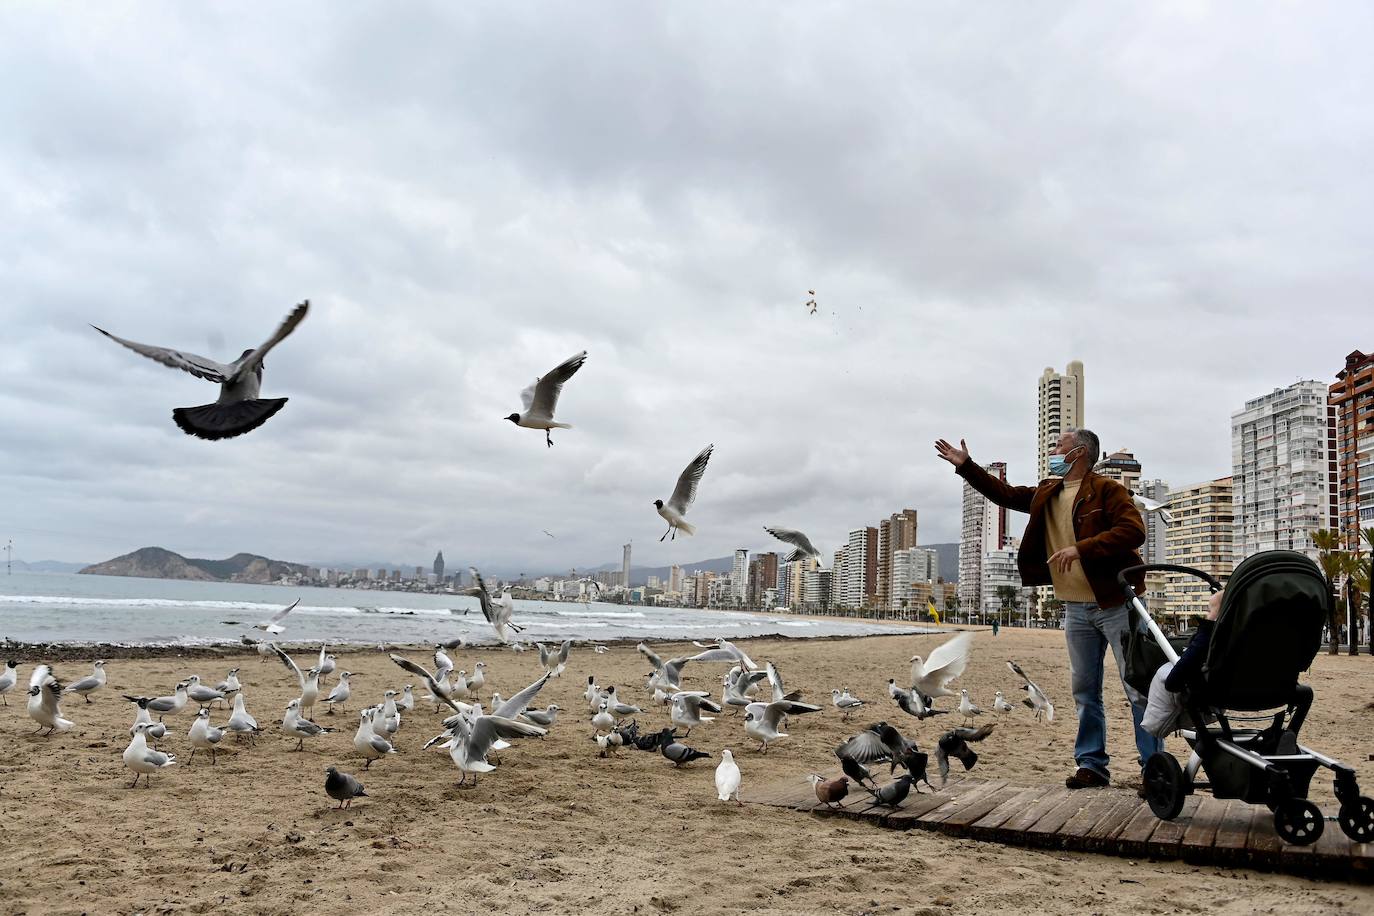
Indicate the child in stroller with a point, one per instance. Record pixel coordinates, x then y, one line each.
1264 631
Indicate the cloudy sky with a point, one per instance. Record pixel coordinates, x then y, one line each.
1178 194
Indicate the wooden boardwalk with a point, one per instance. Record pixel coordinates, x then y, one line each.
1108 821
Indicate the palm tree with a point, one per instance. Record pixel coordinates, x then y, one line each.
1360 578
1333 564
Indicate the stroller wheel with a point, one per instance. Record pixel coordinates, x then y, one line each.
1299 821
1357 819
1165 787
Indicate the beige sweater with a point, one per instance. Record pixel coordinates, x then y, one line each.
1071 585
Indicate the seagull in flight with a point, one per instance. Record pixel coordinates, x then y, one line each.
273 624
803 548
541 398
1035 698
930 676
239 410
498 612
683 495
1149 506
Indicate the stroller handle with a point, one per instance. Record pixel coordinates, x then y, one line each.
1121 577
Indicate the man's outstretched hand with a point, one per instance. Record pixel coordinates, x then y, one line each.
955 456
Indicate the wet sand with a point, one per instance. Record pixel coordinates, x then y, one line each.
556 829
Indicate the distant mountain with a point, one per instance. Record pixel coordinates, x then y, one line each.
158 563
47 566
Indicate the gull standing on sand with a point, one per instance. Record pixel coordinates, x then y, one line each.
544 718
966 707
554 662
239 409
845 703
728 778
89 684
157 730
683 496
407 700
327 665
1000 705
142 759
1035 698
763 720
342 787
479 677
274 626
541 399
803 549
201 694
341 692
230 686
367 742
240 722
204 736
390 715
299 727
930 677
163 706
8 679
45 695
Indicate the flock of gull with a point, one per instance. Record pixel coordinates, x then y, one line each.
471 732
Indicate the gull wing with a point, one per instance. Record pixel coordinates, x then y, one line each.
803 545
775 679
543 655
86 683
199 366
156 758
950 658
563 652
277 617
544 397
321 664
290 665
686 490
487 729
483 597
516 704
253 360
774 712
865 747
421 673
648 653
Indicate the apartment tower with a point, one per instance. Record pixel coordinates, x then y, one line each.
1352 398
1061 408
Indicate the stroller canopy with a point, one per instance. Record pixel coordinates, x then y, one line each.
1268 631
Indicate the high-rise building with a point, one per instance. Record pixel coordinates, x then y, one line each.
625 567
439 567
984 529
861 568
1283 469
896 532
911 567
763 575
1202 536
1122 467
816 589
791 582
1352 398
999 571
653 582
1153 550
704 580
839 573
1061 408
739 575
674 580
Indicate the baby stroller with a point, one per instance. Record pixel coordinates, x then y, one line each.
1268 632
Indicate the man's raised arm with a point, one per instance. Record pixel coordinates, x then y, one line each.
1000 492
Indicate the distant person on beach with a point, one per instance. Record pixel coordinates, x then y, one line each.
1083 530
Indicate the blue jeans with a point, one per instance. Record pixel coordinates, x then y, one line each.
1089 630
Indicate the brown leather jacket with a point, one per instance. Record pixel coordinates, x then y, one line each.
1105 521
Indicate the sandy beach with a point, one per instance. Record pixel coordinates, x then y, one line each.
556 829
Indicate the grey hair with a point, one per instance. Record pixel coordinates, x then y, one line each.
1088 440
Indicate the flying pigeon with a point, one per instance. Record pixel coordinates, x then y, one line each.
239 410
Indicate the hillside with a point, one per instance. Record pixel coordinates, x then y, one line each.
159 563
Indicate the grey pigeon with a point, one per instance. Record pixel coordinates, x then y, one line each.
342 787
954 743
677 753
239 409
894 793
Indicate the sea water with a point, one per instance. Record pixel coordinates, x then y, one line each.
73 609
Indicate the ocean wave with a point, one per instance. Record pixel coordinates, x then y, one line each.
607 614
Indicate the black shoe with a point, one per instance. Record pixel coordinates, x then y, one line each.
1087 779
